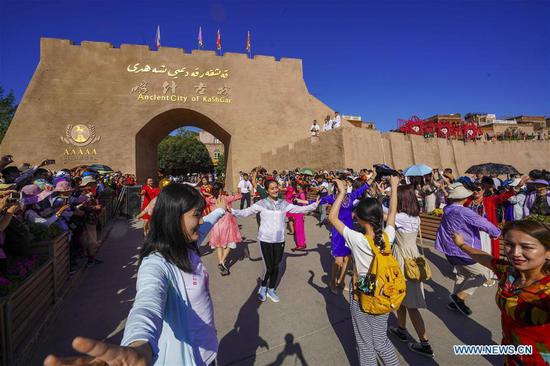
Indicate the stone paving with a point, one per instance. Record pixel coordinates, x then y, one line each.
310 326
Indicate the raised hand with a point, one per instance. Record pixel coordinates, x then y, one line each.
98 353
341 185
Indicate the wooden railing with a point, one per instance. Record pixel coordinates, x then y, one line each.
429 225
25 310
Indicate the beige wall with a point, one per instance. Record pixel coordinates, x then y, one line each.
90 84
360 148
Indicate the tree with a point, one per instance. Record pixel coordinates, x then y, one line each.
220 167
183 154
7 111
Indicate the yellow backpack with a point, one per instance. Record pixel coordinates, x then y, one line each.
384 288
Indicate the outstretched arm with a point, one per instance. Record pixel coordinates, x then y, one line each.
302 209
252 210
483 258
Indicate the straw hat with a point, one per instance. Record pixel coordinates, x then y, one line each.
63 186
459 193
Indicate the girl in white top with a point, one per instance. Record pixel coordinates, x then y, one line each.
271 233
407 223
370 330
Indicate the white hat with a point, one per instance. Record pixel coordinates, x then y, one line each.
459 193
455 184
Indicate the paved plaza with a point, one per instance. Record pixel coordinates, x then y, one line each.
310 326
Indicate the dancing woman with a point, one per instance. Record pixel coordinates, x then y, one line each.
300 240
172 319
407 224
206 191
271 234
225 235
147 211
339 250
370 329
148 192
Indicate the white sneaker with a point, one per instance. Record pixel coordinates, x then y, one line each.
272 294
262 293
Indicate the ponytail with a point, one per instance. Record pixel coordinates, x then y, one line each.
370 210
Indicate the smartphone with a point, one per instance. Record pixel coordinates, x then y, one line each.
50 162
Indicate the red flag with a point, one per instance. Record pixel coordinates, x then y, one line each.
219 41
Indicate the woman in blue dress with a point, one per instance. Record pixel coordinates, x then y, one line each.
339 250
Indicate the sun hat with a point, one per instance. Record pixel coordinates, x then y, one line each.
459 192
32 194
63 186
87 180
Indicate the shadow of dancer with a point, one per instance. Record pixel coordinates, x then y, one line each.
239 346
290 349
339 316
463 327
441 263
282 265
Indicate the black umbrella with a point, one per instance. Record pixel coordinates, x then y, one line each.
492 168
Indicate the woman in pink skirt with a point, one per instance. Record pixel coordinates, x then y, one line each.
225 234
299 227
290 195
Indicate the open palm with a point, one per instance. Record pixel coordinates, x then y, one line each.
98 353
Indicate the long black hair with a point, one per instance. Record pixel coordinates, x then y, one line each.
165 233
370 210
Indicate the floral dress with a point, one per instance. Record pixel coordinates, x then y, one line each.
525 315
207 188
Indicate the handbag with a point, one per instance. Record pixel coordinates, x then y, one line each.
417 269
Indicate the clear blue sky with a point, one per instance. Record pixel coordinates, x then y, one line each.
380 59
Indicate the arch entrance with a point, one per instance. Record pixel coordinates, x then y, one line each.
151 134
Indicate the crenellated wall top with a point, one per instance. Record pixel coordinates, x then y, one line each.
52 45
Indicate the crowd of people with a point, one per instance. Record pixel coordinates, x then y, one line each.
37 203
373 221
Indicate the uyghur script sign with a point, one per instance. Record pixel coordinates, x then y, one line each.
181 72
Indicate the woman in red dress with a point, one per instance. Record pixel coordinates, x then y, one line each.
148 192
206 191
523 293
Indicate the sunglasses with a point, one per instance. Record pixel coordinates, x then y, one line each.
478 189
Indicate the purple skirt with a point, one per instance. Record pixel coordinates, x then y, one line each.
338 247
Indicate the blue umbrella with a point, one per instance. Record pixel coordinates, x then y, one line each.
417 170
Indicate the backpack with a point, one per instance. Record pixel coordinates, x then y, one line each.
383 289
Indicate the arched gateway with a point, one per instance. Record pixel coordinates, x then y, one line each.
95 103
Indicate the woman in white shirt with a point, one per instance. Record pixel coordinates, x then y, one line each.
370 330
271 233
407 224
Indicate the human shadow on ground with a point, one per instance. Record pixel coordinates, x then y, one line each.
337 308
441 263
240 345
240 253
291 349
466 329
282 265
410 357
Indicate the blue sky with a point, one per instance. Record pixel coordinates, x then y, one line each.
382 60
